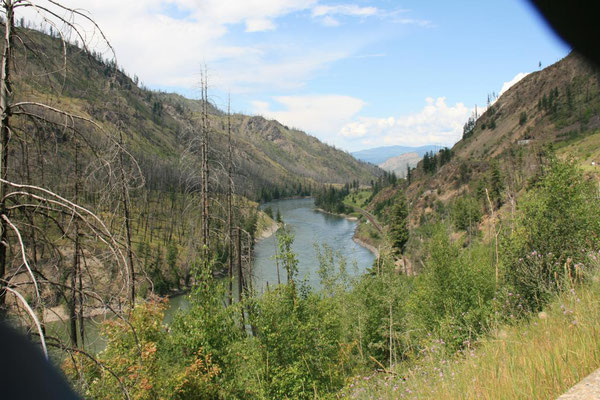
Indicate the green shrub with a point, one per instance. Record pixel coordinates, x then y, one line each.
558 223
466 212
453 295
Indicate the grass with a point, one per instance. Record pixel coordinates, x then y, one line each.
584 150
536 359
358 199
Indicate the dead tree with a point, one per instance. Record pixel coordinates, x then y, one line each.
229 204
38 208
205 168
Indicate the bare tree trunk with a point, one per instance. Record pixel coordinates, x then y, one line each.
73 302
75 268
125 203
240 275
229 205
204 168
5 92
80 311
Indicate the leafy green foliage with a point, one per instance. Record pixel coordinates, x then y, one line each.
285 255
466 213
371 300
453 296
300 341
558 223
399 224
432 161
522 118
150 364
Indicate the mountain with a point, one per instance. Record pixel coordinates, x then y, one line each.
83 129
379 155
399 164
160 128
556 109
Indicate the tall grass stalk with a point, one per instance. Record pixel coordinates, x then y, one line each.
540 358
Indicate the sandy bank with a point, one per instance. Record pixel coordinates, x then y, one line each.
268 231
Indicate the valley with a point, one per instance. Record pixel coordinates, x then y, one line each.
155 246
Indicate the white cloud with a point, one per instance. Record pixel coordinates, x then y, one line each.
509 84
436 123
165 42
344 9
330 21
287 72
322 115
259 25
410 21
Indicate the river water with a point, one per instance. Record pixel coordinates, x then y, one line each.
309 227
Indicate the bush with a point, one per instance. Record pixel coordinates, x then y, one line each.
157 368
558 223
300 338
466 212
453 296
522 118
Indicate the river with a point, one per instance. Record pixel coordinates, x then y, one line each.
308 225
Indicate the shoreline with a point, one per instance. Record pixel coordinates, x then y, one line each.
356 240
367 246
348 217
60 314
268 232
285 198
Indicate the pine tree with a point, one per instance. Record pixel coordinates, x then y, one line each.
399 224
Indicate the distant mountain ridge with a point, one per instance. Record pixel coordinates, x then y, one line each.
379 155
399 164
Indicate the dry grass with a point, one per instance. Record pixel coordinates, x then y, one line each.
538 359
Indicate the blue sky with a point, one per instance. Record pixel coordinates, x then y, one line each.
356 74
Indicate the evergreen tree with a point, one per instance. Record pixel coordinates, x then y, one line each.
399 224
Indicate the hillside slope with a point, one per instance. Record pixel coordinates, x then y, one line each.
555 109
399 164
160 127
75 121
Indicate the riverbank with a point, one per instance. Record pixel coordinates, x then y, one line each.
356 237
268 231
59 313
348 217
367 246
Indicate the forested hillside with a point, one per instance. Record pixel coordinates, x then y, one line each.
159 127
557 108
134 190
